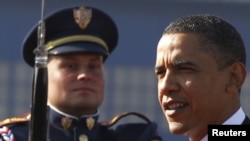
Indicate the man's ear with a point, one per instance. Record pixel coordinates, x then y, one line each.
237 76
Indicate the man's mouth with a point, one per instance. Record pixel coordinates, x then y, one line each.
173 105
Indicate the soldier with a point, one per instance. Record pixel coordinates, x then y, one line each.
78 40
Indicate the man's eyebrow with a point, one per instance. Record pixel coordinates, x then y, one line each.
158 67
175 64
97 58
183 62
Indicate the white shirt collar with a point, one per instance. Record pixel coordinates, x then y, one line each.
62 113
236 119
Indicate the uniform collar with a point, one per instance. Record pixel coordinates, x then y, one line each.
66 121
71 116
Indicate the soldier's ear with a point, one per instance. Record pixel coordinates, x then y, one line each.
237 76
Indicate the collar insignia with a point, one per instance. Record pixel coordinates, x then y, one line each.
90 123
66 122
82 16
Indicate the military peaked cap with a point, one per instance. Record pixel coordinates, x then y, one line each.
75 29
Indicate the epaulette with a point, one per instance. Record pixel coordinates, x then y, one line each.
133 131
116 118
19 119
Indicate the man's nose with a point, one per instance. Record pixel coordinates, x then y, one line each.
168 84
83 73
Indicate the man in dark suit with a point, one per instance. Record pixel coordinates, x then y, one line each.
200 66
78 40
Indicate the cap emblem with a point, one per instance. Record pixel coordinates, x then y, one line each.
82 16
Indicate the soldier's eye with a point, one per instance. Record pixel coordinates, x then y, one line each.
71 66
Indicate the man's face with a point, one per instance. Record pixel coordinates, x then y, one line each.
76 83
191 89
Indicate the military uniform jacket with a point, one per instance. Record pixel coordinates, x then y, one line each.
67 128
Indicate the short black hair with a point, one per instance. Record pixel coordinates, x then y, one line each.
218 37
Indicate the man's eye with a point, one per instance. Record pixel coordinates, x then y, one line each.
160 73
71 66
94 67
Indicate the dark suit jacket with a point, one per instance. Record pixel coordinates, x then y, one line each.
246 120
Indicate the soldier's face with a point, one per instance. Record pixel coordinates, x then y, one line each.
76 83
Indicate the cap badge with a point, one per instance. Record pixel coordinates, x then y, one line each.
66 122
82 16
90 123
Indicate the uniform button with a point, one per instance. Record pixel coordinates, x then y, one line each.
83 137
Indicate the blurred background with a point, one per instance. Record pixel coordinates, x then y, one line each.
131 83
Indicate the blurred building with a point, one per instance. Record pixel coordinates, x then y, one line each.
131 83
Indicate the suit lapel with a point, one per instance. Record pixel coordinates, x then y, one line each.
246 120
